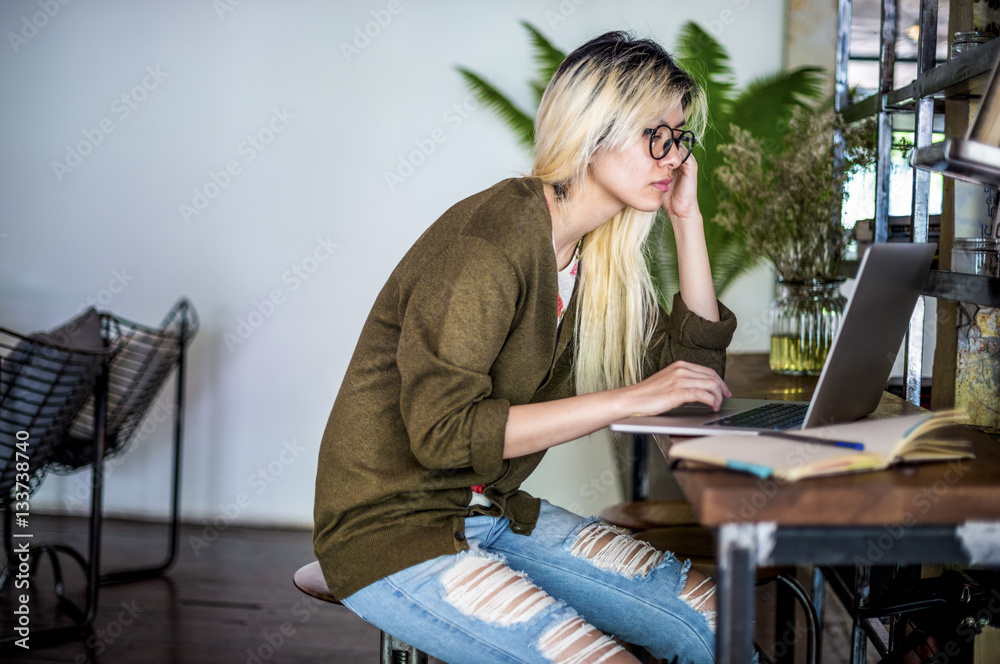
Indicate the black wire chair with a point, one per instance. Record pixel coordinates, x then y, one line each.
136 376
98 413
44 381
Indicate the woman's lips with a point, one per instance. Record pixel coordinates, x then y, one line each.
662 185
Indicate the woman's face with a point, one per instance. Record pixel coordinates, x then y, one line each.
631 176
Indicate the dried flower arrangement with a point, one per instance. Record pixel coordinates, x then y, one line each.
786 197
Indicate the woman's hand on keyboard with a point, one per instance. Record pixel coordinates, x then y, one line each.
677 384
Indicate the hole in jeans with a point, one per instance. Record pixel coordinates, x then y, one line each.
699 593
610 550
574 641
483 586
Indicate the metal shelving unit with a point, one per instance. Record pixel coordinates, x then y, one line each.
962 77
959 287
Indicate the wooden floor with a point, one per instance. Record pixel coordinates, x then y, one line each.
232 601
228 599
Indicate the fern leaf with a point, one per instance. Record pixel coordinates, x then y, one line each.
726 254
765 105
729 259
518 121
705 59
661 260
547 58
538 88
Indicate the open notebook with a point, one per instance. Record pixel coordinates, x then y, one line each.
886 441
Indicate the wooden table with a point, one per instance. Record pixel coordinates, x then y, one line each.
928 513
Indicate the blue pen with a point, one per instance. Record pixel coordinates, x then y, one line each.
814 439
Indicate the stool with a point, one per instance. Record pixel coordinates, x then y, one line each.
646 514
309 579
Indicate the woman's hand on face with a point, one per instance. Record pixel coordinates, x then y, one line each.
681 200
677 384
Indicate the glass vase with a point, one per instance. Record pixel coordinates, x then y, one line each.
805 318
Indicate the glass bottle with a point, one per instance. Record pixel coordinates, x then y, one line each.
805 317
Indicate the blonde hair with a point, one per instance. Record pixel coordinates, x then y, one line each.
602 97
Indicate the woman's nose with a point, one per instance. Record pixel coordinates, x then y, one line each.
670 160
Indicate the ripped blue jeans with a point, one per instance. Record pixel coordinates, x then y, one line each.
564 594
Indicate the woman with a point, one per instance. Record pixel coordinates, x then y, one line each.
482 351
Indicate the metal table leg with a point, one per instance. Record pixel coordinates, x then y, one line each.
737 561
819 603
859 638
640 467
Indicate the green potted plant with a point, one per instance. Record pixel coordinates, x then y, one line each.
785 198
762 108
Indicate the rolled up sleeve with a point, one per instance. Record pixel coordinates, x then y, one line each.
454 324
684 335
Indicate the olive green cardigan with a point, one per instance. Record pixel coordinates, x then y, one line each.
464 328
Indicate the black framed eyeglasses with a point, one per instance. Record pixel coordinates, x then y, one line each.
664 137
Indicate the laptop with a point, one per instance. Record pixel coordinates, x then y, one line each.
877 315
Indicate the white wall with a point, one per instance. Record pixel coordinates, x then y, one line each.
157 98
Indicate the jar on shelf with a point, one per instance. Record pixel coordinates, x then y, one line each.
976 255
805 317
963 42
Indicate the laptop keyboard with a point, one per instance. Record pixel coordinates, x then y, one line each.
766 416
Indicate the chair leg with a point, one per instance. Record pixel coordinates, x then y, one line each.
395 651
862 591
785 630
819 603
812 621
83 619
173 537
